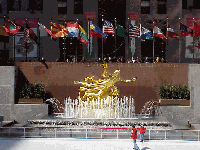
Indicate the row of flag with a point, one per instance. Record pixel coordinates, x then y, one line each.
75 30
134 31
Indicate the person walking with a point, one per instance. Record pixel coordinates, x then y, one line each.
134 137
142 131
43 61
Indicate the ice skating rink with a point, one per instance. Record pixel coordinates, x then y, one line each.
93 144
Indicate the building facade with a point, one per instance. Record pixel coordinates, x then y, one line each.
143 12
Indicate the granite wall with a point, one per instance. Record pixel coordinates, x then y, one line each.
10 111
7 84
181 114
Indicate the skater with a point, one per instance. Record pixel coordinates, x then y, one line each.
134 137
142 131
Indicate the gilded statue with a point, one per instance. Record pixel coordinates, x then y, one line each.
103 88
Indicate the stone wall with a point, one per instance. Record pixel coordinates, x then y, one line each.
10 111
181 114
7 83
24 112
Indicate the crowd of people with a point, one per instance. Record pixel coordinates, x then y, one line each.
118 60
146 60
133 60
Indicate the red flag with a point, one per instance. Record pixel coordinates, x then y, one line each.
170 32
185 30
196 29
158 33
11 27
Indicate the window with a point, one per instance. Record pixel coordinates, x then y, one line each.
39 5
10 5
1 9
162 7
78 6
62 7
184 4
35 5
145 7
196 4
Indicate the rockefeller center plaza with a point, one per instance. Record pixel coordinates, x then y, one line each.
99 74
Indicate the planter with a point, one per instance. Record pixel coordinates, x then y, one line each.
30 101
174 102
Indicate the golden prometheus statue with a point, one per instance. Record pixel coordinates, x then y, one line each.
101 89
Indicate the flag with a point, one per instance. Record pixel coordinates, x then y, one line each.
185 31
96 32
59 30
73 29
121 31
170 32
146 34
134 31
108 27
21 31
12 28
4 31
158 33
198 45
26 38
31 33
196 29
82 35
47 30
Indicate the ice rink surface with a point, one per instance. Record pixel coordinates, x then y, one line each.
94 144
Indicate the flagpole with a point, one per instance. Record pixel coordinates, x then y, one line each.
9 29
76 43
14 43
26 41
179 40
89 37
115 38
167 38
64 43
102 38
193 41
128 37
38 39
153 41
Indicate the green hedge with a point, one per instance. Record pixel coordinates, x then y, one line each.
174 92
32 91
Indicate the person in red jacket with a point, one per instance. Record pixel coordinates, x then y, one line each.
142 131
134 136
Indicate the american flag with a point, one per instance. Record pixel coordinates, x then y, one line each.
108 27
134 31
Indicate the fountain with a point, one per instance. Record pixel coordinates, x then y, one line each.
119 108
98 104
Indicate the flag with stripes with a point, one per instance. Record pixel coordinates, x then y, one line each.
185 30
108 28
170 32
134 31
44 29
158 33
146 34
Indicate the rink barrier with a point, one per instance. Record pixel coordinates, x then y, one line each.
96 133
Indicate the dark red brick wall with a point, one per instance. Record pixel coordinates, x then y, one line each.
58 79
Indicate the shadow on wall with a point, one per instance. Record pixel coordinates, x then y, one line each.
141 95
20 82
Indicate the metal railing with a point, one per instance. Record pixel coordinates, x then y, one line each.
96 133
